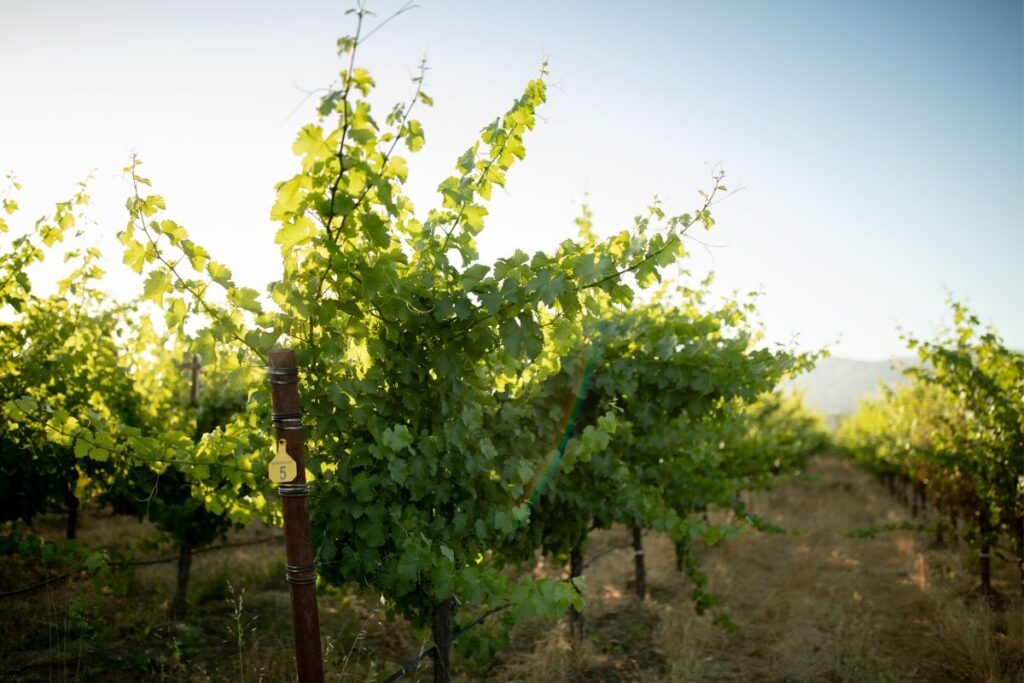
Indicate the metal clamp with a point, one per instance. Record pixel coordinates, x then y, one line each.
279 419
289 375
305 581
293 490
291 569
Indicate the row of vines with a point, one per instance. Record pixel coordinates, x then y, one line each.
954 437
462 418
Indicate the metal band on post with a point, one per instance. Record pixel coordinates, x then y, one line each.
290 375
287 421
300 581
292 570
293 490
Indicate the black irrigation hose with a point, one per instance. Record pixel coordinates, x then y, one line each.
430 651
134 563
606 551
1012 559
207 549
34 586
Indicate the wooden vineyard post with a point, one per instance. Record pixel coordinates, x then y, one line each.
300 571
985 554
575 615
638 557
194 367
940 532
442 633
1020 556
72 503
179 605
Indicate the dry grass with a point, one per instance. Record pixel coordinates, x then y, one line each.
117 629
811 605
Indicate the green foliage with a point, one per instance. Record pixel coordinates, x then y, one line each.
672 414
166 497
410 346
94 410
461 414
64 358
957 429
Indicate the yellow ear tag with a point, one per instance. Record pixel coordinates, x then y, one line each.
282 468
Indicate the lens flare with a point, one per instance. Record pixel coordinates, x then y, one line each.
540 481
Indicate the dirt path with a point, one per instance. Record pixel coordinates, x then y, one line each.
819 605
811 605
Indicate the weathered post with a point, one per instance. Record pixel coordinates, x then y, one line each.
985 531
72 503
638 557
1020 553
179 605
442 633
575 615
194 366
940 532
288 470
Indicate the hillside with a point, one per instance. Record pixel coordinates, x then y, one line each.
836 384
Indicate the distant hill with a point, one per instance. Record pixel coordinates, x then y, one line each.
836 384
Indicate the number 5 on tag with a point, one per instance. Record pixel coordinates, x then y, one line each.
282 468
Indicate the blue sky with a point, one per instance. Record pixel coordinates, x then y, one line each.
880 144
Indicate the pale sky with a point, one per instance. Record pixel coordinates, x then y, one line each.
880 144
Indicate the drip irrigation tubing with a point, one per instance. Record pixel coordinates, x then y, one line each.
430 651
133 563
